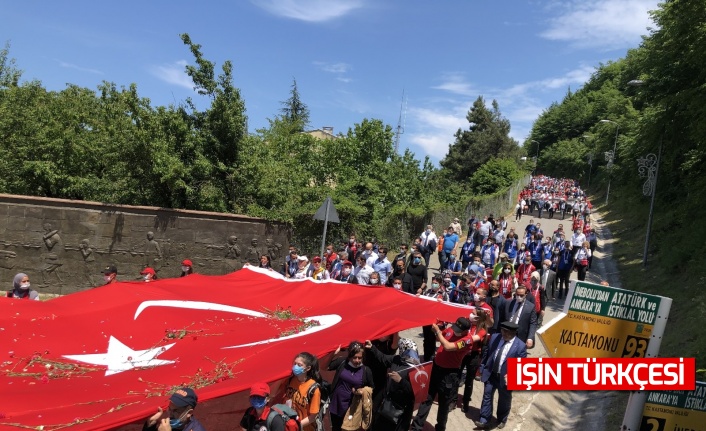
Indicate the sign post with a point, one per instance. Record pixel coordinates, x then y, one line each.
326 212
675 410
606 322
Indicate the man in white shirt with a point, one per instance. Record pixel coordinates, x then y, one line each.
429 242
577 240
362 271
485 228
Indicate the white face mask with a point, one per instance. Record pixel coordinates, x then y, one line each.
545 267
106 278
24 286
346 271
147 277
184 268
520 300
476 297
397 286
506 271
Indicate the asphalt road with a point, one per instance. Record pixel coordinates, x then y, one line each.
535 411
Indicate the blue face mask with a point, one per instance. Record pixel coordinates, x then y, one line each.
258 402
177 423
297 369
416 260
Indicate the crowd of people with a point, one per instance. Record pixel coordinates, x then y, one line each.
506 276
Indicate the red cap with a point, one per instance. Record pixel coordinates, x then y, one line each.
347 262
317 259
147 270
260 390
187 262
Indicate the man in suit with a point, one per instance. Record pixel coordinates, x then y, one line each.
502 346
521 310
547 276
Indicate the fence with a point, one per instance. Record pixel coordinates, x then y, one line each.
499 204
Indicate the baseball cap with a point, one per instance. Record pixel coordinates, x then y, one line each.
260 390
110 269
462 325
316 259
147 270
187 262
184 397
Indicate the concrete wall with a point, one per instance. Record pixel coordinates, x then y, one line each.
64 245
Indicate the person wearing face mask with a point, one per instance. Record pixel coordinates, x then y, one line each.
507 282
497 302
471 362
258 415
187 268
453 266
374 279
548 276
362 271
403 253
350 380
397 387
418 271
318 270
521 310
303 392
503 258
180 414
467 250
525 269
21 288
538 295
494 365
148 275
428 242
346 274
382 265
110 275
456 342
402 280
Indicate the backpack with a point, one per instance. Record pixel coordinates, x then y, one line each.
325 391
288 415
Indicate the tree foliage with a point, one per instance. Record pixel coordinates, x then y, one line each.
294 110
486 138
111 145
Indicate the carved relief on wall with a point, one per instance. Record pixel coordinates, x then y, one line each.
66 247
52 258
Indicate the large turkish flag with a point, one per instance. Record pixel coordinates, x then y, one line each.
107 357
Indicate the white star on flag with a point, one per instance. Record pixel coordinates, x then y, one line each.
120 357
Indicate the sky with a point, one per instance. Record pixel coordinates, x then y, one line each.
352 59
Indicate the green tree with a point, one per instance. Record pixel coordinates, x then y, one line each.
495 175
9 73
294 110
487 138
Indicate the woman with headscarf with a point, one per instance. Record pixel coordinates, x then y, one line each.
349 381
397 396
20 288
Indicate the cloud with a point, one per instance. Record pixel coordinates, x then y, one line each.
607 24
455 83
309 10
82 69
333 67
173 74
434 127
343 79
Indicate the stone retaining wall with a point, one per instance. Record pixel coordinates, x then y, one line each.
63 245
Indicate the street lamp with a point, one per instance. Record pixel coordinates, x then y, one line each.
610 156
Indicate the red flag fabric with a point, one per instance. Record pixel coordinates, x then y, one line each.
107 357
419 377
